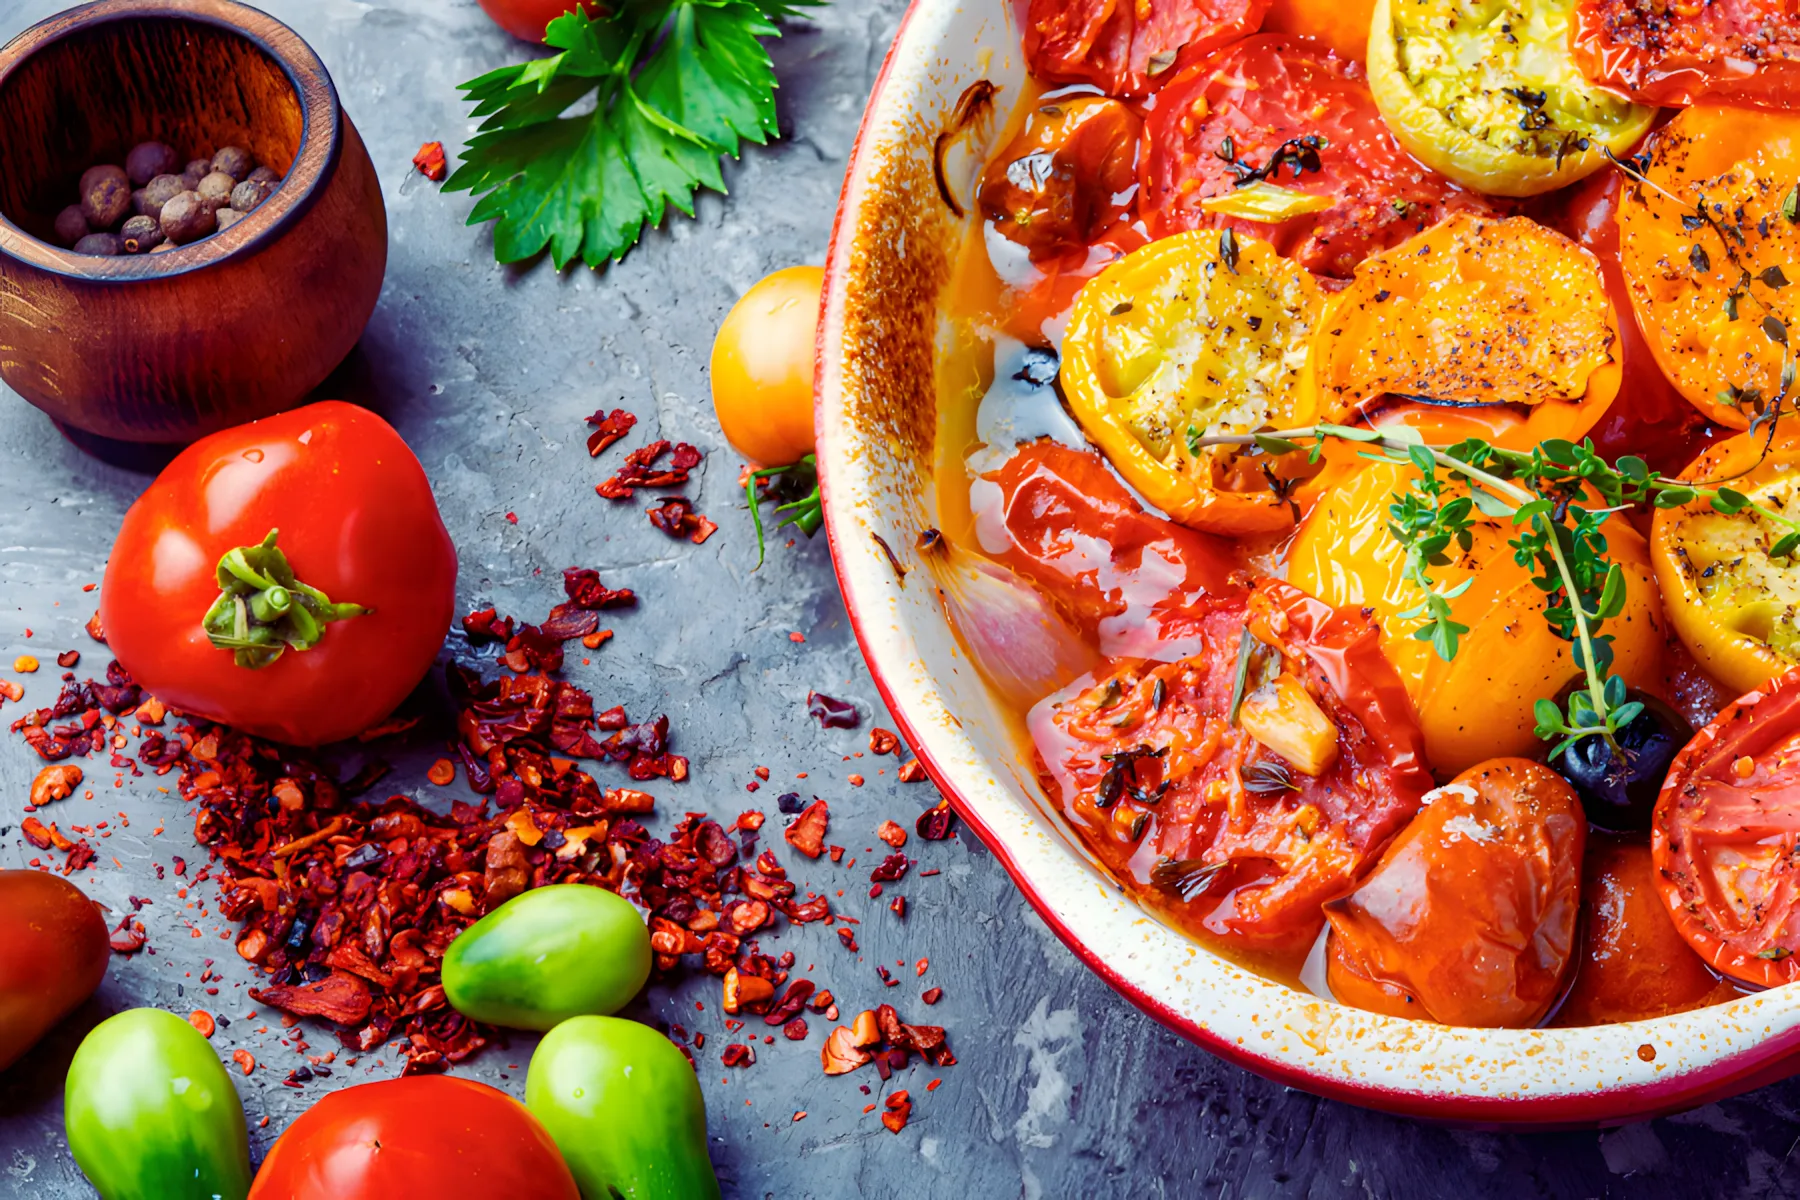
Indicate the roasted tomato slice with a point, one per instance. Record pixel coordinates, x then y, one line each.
1735 607
1495 328
1067 179
1726 837
1661 53
1489 93
1469 917
1128 47
1058 517
1196 335
1704 290
1278 139
1633 965
1243 828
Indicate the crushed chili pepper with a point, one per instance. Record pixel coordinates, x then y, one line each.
933 995
430 161
676 517
246 1061
640 470
68 659
891 833
937 822
608 428
831 712
882 741
807 834
203 1021
911 772
442 772
899 1109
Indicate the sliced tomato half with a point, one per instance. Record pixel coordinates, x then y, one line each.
1725 837
1241 841
1129 47
1746 51
1218 126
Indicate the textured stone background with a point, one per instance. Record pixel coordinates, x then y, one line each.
1063 1089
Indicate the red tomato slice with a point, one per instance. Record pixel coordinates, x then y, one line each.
1662 53
1128 47
1204 819
1243 103
1726 837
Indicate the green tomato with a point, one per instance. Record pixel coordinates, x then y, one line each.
547 955
151 1113
623 1106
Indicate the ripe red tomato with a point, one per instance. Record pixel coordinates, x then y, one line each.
356 522
1236 108
1128 49
1746 51
422 1135
1067 179
1726 837
1469 917
527 19
53 954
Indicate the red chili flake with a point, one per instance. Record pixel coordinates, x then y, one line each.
856 781
68 658
922 965
485 625
203 1021
847 936
795 1030
933 995
796 637
129 937
640 470
892 869
933 1085
738 1055
840 1054
790 1004
832 712
512 517
937 822
442 772
807 834
10 690
911 772
897 906
676 517
246 1061
837 854
94 629
882 741
760 772
430 161
608 428
583 587
899 1110
891 833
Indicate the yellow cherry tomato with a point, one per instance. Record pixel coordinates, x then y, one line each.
1488 93
1199 334
762 367
1703 302
1736 609
1479 704
1499 329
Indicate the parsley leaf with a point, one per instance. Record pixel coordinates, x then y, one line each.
669 87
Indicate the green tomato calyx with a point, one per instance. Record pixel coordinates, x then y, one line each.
263 610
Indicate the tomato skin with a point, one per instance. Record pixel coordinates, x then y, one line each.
420 1135
53 955
357 520
1742 51
1058 185
1634 964
1342 26
1723 838
762 367
527 19
1126 49
1469 918
1261 92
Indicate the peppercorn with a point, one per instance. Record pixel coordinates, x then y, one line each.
227 217
250 193
147 160
71 226
234 161
160 191
194 172
187 218
139 234
105 196
98 243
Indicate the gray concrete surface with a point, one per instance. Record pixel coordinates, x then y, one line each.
1063 1089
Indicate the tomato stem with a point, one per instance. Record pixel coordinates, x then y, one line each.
263 610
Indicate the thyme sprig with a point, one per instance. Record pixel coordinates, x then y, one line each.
1558 497
796 488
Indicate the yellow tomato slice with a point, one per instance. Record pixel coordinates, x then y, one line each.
1479 704
1479 327
1199 334
1736 609
1702 302
1487 93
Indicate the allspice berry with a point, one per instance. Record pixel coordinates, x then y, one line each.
234 161
147 160
227 217
105 196
264 175
187 218
194 172
160 191
71 226
98 243
250 193
139 234
215 190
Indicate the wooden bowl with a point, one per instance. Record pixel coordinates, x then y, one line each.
169 347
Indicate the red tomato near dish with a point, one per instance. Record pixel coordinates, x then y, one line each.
215 620
1129 48
422 1135
1234 112
1658 53
53 955
527 19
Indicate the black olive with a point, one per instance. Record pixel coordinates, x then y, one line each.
1619 796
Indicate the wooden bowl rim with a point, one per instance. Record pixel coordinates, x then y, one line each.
321 138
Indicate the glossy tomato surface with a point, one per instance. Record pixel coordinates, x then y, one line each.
53 955
1747 51
422 1135
1470 916
527 19
762 367
1067 179
1130 48
1726 837
356 520
1232 112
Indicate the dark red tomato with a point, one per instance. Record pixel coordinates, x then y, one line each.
53 955
1726 837
1118 573
1233 111
1067 179
1469 918
1242 842
1662 53
1128 47
1633 965
528 19
423 1135
354 521
1652 420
